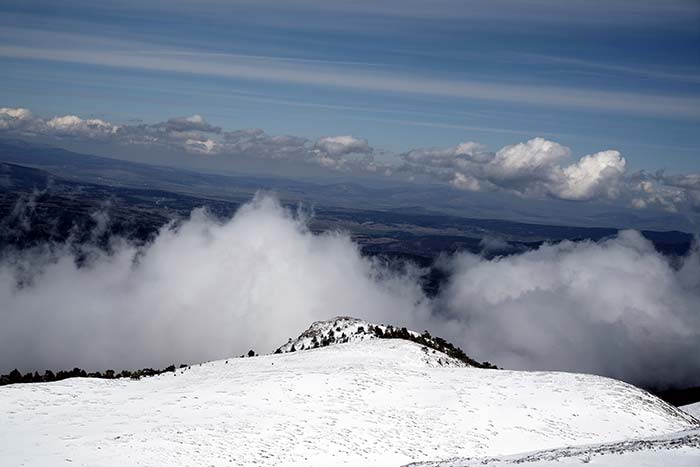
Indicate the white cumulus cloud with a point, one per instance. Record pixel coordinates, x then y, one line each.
594 175
13 118
336 146
534 158
76 126
537 168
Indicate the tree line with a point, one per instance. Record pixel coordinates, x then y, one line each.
436 343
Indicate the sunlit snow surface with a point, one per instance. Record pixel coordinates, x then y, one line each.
680 449
372 402
692 409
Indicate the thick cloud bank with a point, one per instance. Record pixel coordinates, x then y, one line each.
616 308
202 291
211 289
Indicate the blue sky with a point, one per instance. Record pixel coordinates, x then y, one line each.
402 74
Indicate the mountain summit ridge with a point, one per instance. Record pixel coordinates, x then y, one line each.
346 329
338 330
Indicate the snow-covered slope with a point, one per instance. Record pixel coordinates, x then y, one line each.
680 449
692 409
372 402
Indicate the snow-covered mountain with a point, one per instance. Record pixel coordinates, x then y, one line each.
345 330
692 409
368 401
339 330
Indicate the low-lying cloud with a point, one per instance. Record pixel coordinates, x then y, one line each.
202 290
616 307
207 289
537 168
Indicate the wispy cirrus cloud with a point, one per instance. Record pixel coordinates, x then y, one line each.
346 75
577 12
688 75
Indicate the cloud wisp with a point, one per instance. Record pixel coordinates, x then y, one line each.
209 289
328 74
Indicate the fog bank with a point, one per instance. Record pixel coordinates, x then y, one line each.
207 289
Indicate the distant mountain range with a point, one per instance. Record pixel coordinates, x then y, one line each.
341 192
66 189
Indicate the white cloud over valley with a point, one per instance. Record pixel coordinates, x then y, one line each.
210 289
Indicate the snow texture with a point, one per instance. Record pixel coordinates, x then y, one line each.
692 409
369 402
680 449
